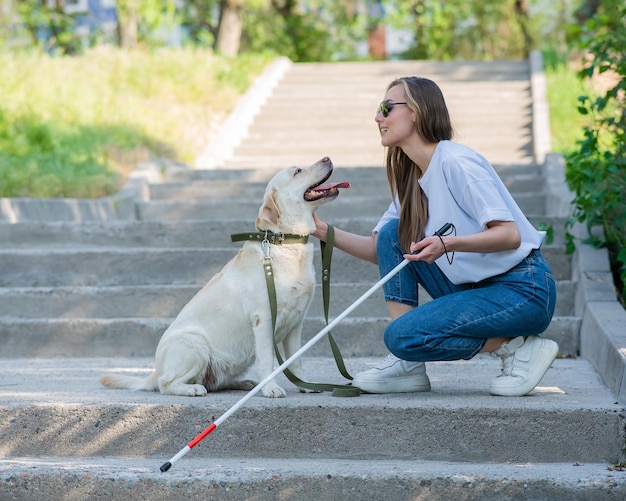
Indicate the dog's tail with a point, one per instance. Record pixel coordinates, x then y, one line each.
130 382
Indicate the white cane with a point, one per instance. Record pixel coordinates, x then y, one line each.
166 466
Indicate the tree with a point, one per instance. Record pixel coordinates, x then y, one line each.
522 17
128 22
230 27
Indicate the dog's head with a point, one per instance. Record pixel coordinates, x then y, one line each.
292 196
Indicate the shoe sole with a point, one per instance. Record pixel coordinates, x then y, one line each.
529 384
397 385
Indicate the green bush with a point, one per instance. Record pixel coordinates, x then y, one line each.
596 171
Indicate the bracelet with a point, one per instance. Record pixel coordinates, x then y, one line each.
450 259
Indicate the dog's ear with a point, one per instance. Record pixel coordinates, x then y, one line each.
269 214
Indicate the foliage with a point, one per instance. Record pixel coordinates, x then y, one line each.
48 27
478 29
198 22
75 126
154 18
323 31
596 172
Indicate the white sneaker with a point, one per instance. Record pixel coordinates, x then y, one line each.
524 363
393 375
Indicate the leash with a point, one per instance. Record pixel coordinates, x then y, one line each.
266 238
327 254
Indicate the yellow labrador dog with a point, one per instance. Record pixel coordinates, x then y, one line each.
228 324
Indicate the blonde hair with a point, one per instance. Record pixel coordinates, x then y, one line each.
432 124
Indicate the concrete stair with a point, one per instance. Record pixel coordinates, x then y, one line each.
490 104
81 299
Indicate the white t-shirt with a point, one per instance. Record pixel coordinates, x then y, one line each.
464 189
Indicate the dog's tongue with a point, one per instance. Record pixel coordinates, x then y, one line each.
330 186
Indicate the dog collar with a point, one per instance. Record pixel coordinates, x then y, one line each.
269 236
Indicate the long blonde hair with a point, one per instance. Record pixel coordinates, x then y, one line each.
432 124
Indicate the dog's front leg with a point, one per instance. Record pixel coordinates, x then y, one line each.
264 350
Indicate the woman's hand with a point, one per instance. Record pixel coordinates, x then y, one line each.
499 236
362 247
429 249
321 228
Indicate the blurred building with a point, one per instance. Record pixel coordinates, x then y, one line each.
93 18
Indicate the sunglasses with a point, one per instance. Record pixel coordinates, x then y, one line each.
386 106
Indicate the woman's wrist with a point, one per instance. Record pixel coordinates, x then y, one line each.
321 232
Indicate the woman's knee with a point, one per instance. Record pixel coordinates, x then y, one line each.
391 341
402 346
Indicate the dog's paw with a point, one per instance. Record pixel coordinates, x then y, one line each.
274 392
183 389
196 390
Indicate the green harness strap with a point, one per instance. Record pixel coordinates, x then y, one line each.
266 238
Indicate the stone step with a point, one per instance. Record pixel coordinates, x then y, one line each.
225 190
181 173
170 266
491 116
461 96
373 156
167 300
348 206
329 87
361 126
275 479
467 71
343 129
138 337
356 175
184 233
369 157
570 417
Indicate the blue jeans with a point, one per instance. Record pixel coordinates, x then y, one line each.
458 321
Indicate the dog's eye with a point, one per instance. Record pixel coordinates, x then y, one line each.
297 171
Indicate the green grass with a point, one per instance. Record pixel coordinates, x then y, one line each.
76 126
566 124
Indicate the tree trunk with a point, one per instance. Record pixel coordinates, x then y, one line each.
127 22
521 14
230 26
586 11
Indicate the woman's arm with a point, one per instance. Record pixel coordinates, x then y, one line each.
499 236
362 247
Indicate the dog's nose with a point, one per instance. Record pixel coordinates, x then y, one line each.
325 160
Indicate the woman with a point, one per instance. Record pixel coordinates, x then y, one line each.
492 290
